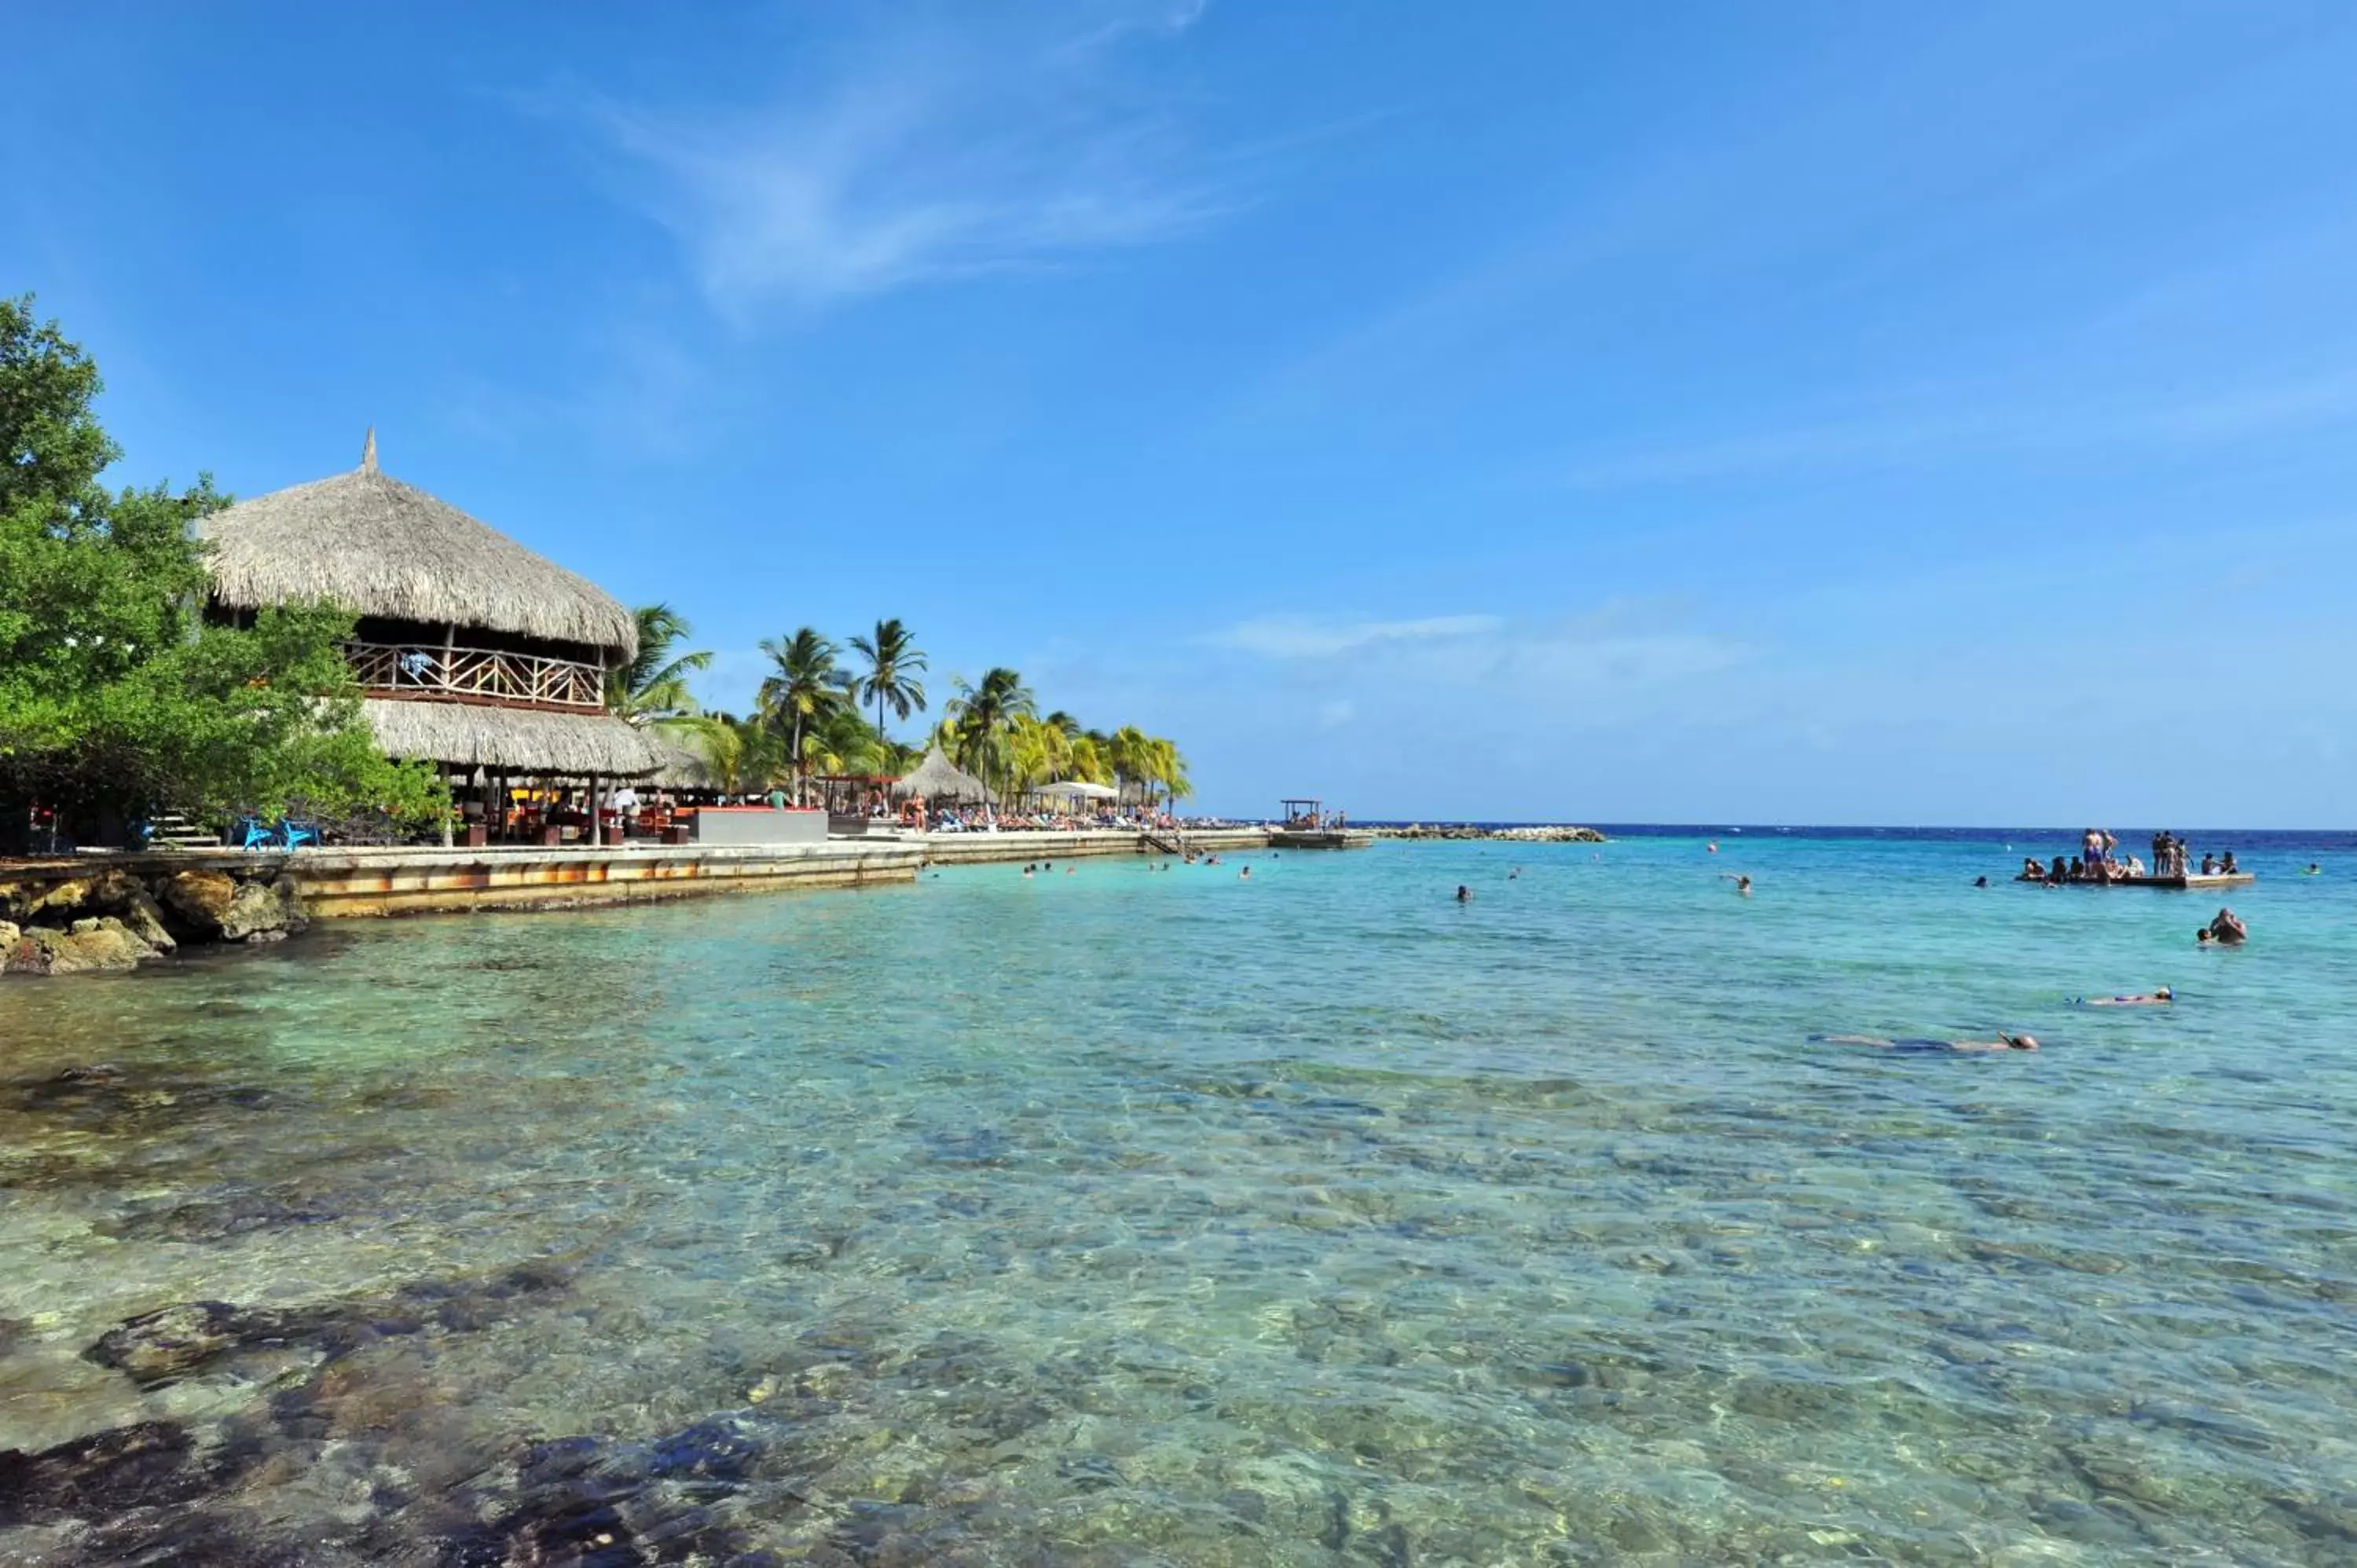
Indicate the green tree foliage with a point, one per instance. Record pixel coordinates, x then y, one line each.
802 688
981 718
889 679
651 689
116 697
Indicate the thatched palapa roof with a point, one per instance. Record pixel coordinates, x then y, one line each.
368 542
684 767
938 779
515 740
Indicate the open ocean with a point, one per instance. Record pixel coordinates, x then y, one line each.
1162 1216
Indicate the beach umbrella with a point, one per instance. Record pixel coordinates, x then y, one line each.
1080 789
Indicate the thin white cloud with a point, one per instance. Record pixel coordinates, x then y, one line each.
912 156
1302 637
1336 714
2256 410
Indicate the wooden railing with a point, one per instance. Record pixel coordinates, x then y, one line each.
476 674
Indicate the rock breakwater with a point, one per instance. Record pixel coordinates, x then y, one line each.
116 920
1547 833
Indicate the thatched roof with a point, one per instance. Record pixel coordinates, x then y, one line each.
377 547
938 779
684 767
520 740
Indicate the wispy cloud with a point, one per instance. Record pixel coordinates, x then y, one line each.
2294 404
1305 636
1621 647
914 154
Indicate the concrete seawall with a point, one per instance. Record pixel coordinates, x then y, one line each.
350 883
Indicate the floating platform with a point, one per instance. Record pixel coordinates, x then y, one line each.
1319 838
2191 882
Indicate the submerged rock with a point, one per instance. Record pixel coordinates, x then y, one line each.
171 1342
145 1465
163 1346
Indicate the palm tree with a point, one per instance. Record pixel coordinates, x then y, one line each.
1170 770
893 663
1088 761
742 755
1130 750
651 689
803 687
839 742
980 713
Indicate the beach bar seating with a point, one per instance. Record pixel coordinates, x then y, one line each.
473 653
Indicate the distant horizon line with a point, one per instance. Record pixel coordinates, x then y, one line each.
1721 826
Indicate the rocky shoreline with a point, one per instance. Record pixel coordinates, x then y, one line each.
114 920
1547 835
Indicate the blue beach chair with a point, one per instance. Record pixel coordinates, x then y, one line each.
297 835
251 833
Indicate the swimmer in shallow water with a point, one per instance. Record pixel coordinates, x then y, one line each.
2160 997
1742 881
2004 1042
1464 894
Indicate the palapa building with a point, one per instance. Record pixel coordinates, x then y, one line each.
473 651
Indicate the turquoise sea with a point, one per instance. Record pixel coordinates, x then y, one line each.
1142 1216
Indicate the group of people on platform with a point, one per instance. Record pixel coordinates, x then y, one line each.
2098 860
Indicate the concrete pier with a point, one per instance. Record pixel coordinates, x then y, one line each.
349 884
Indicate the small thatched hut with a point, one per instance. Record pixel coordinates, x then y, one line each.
473 651
938 779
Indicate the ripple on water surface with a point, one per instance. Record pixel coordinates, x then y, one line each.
1127 1217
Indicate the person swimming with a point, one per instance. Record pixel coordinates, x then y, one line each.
2227 929
1245 875
1742 881
2004 1042
2313 870
1464 894
2155 998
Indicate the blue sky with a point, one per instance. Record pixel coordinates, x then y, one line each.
1797 412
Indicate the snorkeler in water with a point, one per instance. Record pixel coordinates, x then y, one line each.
2159 997
2004 1042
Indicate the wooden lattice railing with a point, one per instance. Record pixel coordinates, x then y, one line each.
479 674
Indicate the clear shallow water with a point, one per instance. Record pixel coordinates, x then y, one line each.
1130 1216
